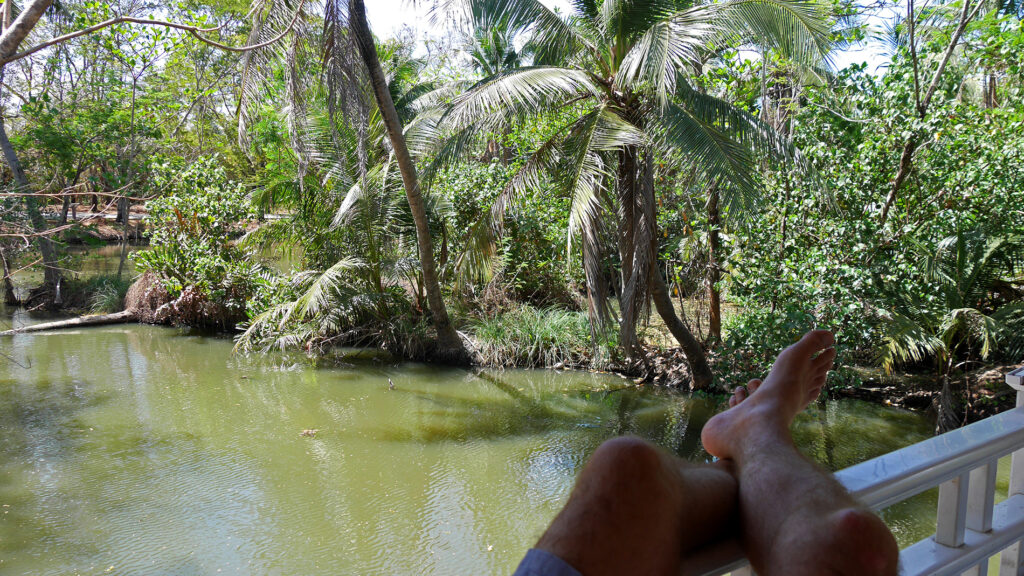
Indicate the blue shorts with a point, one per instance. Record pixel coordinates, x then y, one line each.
541 563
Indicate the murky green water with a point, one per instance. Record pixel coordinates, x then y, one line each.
147 450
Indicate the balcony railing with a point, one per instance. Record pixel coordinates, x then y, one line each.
970 528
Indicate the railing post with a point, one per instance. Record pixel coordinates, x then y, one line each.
1011 562
951 519
981 497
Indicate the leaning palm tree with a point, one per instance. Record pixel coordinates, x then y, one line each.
628 69
971 308
357 87
353 18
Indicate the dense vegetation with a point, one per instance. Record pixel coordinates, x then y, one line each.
521 189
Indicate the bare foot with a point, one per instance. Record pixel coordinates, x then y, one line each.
794 382
795 519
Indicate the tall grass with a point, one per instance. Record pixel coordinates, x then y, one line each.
106 292
533 337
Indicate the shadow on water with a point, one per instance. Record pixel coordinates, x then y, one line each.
156 451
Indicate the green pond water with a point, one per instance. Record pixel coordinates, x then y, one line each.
151 450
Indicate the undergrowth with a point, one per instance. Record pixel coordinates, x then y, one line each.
533 337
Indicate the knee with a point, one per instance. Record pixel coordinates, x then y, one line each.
625 461
870 546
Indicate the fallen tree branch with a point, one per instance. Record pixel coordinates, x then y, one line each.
123 317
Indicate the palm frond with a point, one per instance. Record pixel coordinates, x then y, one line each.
552 38
799 29
317 297
668 46
523 92
907 340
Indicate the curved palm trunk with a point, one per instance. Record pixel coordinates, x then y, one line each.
638 248
452 349
714 272
703 379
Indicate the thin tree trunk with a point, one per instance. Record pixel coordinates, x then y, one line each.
126 230
451 345
10 296
714 274
64 209
906 165
910 144
51 273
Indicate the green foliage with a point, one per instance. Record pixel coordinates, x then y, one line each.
970 308
192 224
534 337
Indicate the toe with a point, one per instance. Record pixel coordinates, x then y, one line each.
753 385
814 341
823 362
738 395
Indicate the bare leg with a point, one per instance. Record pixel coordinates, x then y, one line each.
794 518
638 510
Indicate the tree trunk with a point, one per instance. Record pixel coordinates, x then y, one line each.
906 165
14 32
714 273
10 296
948 419
626 186
125 231
51 273
64 209
910 145
452 349
123 317
703 379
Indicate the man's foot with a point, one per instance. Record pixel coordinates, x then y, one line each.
796 520
794 382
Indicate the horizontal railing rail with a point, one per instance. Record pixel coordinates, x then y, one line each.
970 528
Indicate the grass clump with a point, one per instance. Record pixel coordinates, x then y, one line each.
106 292
533 337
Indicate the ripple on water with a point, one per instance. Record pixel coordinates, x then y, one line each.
183 459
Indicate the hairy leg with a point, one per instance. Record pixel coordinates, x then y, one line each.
638 510
795 518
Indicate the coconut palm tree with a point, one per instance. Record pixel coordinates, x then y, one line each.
627 68
354 18
971 307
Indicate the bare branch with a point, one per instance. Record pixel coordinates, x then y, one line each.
193 30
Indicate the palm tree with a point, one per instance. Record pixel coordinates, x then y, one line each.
451 347
970 308
357 87
627 70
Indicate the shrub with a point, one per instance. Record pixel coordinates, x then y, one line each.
192 224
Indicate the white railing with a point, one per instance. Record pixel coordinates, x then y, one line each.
970 527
